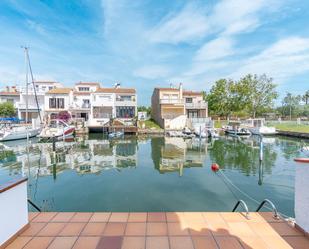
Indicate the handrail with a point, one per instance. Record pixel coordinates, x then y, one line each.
244 206
33 205
276 215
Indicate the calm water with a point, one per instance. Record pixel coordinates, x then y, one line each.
153 173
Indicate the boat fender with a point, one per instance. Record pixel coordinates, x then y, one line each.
215 167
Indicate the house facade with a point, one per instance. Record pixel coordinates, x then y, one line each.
58 100
10 94
35 98
172 108
112 103
81 105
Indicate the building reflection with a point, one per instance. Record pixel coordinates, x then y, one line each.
173 154
84 157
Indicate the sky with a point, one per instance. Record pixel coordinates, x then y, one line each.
155 43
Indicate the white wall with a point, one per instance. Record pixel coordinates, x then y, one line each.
302 196
177 123
13 211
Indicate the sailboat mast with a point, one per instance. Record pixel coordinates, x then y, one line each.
26 64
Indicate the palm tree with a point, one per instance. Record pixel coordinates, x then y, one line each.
305 97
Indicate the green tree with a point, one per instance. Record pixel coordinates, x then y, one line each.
305 97
7 109
290 104
220 98
256 93
144 109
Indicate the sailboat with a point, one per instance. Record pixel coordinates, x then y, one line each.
15 132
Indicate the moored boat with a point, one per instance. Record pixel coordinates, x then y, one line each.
57 128
18 132
257 127
234 128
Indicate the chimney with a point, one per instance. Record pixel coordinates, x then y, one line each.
117 85
180 90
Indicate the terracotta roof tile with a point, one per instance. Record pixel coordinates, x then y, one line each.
61 90
115 90
10 93
88 83
192 93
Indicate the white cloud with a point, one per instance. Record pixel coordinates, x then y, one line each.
282 60
215 49
152 72
191 23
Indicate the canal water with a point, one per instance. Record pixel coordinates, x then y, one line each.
154 173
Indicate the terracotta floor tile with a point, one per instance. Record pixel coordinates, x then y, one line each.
44 217
194 217
262 229
175 229
119 217
255 217
81 217
62 243
136 229
205 242
285 229
276 242
134 243
269 216
156 217
199 228
86 243
100 217
213 217
33 229
115 229
72 229
181 243
298 242
137 217
63 217
232 217
219 228
51 229
110 243
226 242
19 243
32 215
240 229
157 243
249 242
156 229
174 217
93 229
39 243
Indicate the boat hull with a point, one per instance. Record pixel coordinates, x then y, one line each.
17 135
301 160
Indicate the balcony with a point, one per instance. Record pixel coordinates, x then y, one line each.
30 106
196 105
172 101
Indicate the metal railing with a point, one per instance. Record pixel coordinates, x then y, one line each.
276 215
33 205
196 105
244 205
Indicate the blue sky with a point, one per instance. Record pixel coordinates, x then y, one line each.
145 43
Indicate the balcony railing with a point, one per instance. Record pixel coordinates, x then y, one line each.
171 101
196 105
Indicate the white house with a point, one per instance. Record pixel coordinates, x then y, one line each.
35 104
58 100
82 99
117 103
10 94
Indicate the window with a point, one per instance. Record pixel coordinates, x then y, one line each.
83 89
188 100
50 87
56 103
124 98
125 111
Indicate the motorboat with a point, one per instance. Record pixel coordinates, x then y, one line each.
186 131
234 128
11 132
57 128
115 134
257 127
213 133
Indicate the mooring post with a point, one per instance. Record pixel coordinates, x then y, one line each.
54 143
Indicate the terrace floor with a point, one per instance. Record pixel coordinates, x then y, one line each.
179 230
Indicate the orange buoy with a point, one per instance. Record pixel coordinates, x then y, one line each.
215 167
301 160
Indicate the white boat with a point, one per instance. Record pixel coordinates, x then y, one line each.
115 134
235 128
18 132
57 128
213 133
257 127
